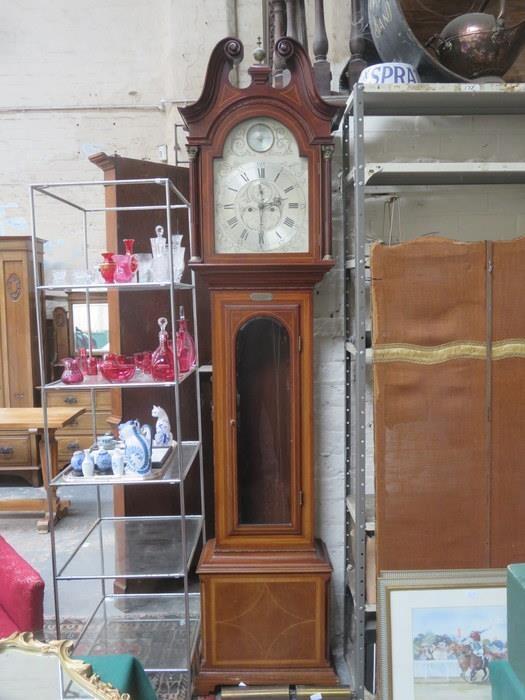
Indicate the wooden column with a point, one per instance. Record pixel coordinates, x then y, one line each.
321 66
291 25
277 30
302 34
357 42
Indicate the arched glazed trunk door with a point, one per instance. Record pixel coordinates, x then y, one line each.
262 396
263 382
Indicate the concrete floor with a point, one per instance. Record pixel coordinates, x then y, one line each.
77 598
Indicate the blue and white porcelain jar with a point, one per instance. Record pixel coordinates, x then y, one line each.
76 462
103 461
106 442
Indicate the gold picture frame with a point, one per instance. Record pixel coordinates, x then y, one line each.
76 670
449 604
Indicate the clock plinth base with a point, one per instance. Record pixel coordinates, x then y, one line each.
208 680
264 618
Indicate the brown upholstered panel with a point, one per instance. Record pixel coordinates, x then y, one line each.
429 332
508 404
429 291
430 457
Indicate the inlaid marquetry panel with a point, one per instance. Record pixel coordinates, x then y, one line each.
265 620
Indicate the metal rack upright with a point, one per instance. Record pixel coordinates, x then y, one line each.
171 541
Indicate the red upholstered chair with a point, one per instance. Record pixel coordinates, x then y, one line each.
21 594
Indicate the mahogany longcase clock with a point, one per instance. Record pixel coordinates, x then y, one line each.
260 160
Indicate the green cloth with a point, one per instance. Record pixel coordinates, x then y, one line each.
505 684
516 618
125 673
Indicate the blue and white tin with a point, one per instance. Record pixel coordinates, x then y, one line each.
389 74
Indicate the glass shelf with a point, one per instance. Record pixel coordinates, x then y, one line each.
150 627
134 547
170 475
125 286
99 382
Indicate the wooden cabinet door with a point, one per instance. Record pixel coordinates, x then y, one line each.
262 410
18 361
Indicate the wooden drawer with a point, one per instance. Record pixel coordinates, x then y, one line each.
84 424
79 398
67 444
17 449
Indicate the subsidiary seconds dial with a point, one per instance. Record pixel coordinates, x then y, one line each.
261 208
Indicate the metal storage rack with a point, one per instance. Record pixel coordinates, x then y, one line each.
360 179
157 547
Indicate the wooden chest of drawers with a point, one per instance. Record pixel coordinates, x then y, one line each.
19 455
79 433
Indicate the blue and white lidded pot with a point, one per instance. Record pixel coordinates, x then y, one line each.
103 461
76 461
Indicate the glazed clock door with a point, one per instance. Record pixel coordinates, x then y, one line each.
261 397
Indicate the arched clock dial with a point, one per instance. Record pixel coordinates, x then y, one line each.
261 191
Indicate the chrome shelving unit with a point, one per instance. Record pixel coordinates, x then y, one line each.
361 179
127 548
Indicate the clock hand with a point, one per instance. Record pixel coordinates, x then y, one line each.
275 202
261 228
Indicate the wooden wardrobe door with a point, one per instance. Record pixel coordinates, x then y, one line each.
429 332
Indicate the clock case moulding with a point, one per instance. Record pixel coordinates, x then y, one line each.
265 594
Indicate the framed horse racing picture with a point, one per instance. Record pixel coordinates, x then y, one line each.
438 631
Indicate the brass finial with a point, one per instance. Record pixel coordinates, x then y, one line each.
259 54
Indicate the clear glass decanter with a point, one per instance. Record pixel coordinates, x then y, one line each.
185 345
162 360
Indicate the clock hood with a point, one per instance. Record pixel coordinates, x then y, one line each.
300 110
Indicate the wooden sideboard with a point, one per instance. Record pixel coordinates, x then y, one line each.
19 373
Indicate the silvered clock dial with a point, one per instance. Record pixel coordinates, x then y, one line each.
261 191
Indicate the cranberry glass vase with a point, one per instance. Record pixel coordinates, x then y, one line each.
123 271
185 345
107 268
162 360
129 244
